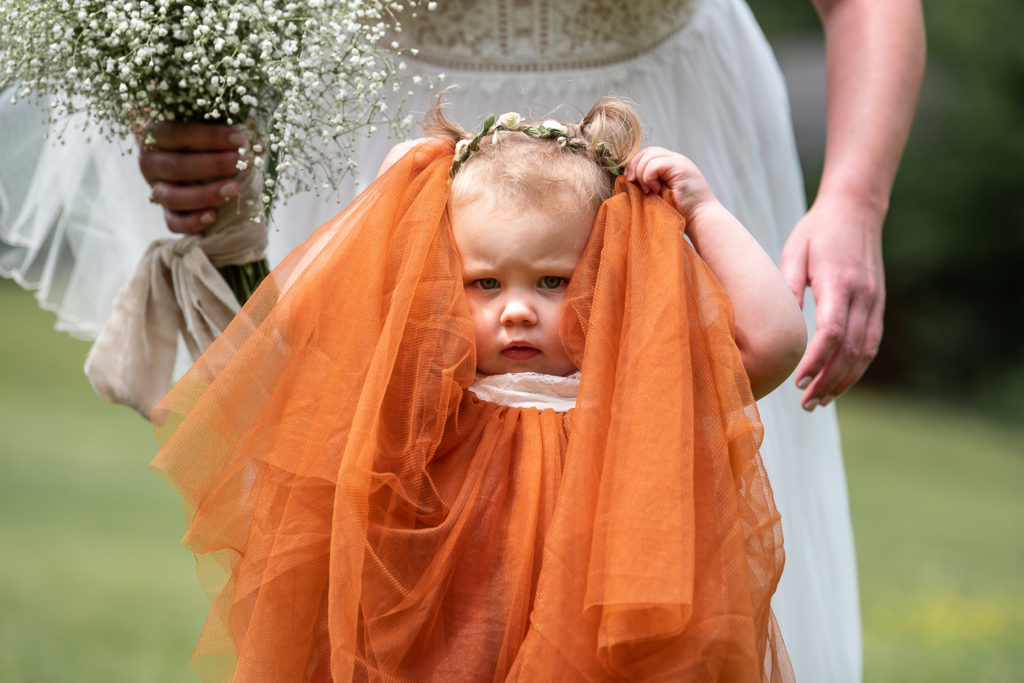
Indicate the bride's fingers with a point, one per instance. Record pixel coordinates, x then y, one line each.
189 223
187 198
191 168
199 137
179 167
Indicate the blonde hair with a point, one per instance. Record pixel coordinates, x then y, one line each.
520 169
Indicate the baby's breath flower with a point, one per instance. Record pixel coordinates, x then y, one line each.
129 64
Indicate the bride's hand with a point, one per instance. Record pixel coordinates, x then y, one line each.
191 168
836 249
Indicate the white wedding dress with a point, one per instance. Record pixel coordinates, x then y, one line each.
75 217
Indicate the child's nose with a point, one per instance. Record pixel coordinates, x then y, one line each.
518 311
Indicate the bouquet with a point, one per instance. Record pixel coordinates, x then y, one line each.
304 77
128 64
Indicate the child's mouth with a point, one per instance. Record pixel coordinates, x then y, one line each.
519 352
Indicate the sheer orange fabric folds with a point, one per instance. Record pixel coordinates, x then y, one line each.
359 515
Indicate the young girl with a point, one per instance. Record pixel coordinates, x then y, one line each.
393 470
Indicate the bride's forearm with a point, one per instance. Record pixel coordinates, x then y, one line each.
875 55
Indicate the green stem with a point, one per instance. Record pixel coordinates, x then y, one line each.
245 278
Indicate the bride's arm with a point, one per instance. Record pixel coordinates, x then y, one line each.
875 54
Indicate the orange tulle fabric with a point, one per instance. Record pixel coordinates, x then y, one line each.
359 515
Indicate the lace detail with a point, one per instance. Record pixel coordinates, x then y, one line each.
541 35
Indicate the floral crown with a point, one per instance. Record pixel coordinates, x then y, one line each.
550 129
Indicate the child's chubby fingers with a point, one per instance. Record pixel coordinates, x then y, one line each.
675 177
645 168
397 152
653 167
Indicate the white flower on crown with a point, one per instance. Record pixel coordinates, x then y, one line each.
510 120
461 147
555 126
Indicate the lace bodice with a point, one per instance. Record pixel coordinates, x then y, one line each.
537 35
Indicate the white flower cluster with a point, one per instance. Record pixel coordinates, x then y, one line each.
307 75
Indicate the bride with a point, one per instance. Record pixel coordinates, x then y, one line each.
75 218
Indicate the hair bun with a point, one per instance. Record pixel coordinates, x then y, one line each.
614 123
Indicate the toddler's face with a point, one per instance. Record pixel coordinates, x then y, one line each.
516 263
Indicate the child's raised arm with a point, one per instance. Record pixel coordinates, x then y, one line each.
770 330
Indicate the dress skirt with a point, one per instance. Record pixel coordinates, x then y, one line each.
358 514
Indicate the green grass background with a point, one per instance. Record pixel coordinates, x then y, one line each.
94 586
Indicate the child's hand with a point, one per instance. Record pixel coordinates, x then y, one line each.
674 177
397 152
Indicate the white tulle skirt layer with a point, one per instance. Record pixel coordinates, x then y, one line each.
75 218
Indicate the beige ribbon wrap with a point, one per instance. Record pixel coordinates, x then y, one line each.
175 288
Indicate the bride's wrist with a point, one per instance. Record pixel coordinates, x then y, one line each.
868 198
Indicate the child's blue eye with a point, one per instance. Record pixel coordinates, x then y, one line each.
551 282
487 283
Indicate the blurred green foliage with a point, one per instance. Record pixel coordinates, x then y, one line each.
954 239
942 595
93 583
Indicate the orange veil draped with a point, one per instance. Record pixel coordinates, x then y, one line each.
359 515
